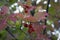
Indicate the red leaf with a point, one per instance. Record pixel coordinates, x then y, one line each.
4 10
12 17
3 24
38 30
41 15
27 8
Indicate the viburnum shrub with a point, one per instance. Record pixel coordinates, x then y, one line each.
34 25
33 14
34 20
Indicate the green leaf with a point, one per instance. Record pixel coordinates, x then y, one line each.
54 37
12 1
49 22
14 8
2 35
10 22
52 11
17 24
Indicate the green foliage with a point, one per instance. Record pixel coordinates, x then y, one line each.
1 3
14 8
3 35
52 11
18 23
10 22
8 2
12 1
54 37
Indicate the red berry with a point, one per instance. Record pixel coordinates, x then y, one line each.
26 11
30 29
27 6
30 26
25 25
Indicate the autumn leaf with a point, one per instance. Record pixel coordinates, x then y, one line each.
3 24
41 15
4 10
12 17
